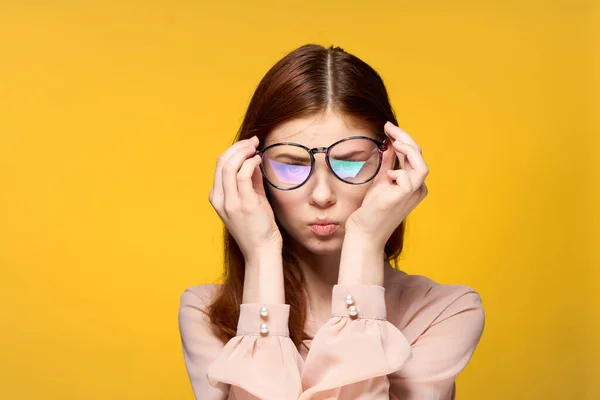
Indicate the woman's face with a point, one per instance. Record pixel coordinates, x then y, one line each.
323 196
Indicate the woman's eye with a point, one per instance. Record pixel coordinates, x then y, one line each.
294 167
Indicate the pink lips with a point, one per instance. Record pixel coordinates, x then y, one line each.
324 227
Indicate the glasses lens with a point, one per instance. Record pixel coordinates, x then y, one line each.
355 160
286 166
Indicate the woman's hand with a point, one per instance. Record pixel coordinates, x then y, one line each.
238 196
394 193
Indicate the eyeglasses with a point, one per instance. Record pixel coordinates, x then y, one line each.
354 160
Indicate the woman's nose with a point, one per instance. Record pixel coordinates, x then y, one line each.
321 187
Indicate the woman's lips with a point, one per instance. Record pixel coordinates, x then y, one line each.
324 229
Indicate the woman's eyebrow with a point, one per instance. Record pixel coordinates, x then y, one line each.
293 157
351 153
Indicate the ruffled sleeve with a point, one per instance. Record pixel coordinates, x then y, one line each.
260 364
443 350
351 355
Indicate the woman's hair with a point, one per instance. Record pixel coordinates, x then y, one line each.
305 82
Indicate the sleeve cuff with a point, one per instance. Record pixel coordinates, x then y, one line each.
274 323
366 301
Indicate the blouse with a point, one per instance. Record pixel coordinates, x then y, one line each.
406 340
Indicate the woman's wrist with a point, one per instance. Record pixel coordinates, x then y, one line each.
263 278
362 260
262 255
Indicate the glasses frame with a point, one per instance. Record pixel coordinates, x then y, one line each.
381 147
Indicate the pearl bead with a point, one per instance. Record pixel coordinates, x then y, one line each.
264 328
349 300
264 312
353 311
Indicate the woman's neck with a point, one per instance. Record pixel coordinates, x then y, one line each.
320 275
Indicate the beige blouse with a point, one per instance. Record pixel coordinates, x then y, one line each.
408 340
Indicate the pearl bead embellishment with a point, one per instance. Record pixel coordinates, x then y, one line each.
353 311
264 311
349 300
264 328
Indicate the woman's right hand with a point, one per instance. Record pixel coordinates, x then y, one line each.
238 196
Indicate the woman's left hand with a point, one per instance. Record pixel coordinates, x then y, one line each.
394 193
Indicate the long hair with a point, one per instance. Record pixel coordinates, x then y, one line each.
305 82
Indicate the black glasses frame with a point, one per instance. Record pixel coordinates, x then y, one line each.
381 147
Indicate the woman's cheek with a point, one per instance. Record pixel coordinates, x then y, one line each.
283 206
355 198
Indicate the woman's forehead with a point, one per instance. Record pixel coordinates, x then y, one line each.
318 131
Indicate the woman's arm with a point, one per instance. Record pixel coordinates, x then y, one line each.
263 277
352 353
251 365
261 361
351 356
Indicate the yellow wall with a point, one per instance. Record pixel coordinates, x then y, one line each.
112 114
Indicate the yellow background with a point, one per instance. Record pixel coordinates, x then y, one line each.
112 115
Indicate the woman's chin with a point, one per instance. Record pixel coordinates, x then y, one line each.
322 247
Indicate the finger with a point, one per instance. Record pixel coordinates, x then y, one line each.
402 179
400 134
257 179
418 168
218 192
387 162
389 158
401 157
424 191
244 180
417 196
404 164
226 155
230 171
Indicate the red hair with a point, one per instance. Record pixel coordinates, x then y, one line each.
305 82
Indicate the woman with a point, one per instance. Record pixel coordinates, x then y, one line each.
314 194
